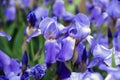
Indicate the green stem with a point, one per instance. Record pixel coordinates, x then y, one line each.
32 50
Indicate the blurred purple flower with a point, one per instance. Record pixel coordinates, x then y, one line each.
35 16
58 8
114 9
27 3
67 16
10 13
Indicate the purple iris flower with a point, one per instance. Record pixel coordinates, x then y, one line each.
58 8
10 13
5 35
62 49
78 30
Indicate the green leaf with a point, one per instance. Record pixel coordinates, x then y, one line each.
113 59
18 41
75 56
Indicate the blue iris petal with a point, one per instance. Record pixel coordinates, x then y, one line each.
79 29
10 13
4 59
52 49
67 49
58 8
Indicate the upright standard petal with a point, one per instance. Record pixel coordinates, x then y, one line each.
79 29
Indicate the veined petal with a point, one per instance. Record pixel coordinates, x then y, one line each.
5 35
51 31
79 32
44 24
67 49
52 49
79 28
14 67
101 51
